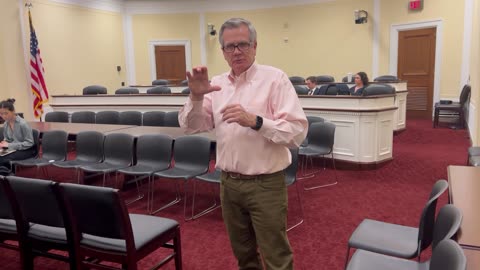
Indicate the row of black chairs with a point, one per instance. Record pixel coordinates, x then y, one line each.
160 87
296 80
90 223
135 118
342 89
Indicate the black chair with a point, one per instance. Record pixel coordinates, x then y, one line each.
301 90
127 91
107 117
311 120
321 138
386 78
192 157
86 117
345 79
184 83
153 154
290 180
171 119
54 148
297 80
186 91
103 230
159 90
118 154
446 225
325 79
154 118
397 240
40 223
89 150
378 89
95 90
61 117
132 118
343 89
161 82
454 108
331 90
8 226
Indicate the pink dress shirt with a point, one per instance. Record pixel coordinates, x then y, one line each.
261 90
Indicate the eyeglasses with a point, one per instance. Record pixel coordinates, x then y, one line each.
242 46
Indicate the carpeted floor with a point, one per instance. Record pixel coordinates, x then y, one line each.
395 193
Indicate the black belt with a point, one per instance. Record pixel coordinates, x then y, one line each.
240 176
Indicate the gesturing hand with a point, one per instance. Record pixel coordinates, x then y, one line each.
235 113
199 84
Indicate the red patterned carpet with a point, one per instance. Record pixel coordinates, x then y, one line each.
395 193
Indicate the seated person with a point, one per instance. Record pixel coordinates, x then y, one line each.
17 135
361 81
311 84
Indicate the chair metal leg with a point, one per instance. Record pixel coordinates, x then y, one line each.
139 194
152 198
214 206
304 165
329 184
301 210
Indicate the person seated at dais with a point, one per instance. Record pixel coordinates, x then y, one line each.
361 81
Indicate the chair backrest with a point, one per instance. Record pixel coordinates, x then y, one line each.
322 134
448 255
118 149
36 200
192 153
94 90
465 94
154 118
127 91
110 218
386 78
36 141
86 117
107 117
322 90
184 83
186 91
297 80
56 117
378 89
54 145
5 207
89 146
332 90
159 90
427 218
345 79
325 79
133 118
343 89
291 171
154 150
171 119
301 90
314 119
447 224
161 82
1 133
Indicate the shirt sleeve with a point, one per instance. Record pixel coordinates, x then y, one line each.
24 137
196 116
289 125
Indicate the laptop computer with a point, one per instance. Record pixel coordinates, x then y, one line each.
4 152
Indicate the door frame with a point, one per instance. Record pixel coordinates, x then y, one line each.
151 49
394 32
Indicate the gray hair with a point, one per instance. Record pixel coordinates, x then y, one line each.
236 23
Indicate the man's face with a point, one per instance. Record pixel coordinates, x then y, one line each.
310 84
239 59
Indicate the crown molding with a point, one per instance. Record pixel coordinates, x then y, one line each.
106 5
201 6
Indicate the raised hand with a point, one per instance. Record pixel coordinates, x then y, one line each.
235 113
199 84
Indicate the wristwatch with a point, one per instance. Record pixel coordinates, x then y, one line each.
259 123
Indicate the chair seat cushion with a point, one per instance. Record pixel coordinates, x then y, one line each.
178 173
145 229
143 169
103 167
453 106
31 162
73 163
213 177
474 151
314 151
8 226
362 260
386 238
48 233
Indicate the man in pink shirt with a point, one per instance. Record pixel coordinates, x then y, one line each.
257 116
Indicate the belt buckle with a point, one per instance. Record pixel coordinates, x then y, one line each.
234 175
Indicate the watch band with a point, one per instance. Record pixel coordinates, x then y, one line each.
259 123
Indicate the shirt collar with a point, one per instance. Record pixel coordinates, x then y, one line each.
247 75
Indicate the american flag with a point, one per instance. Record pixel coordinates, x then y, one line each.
39 89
